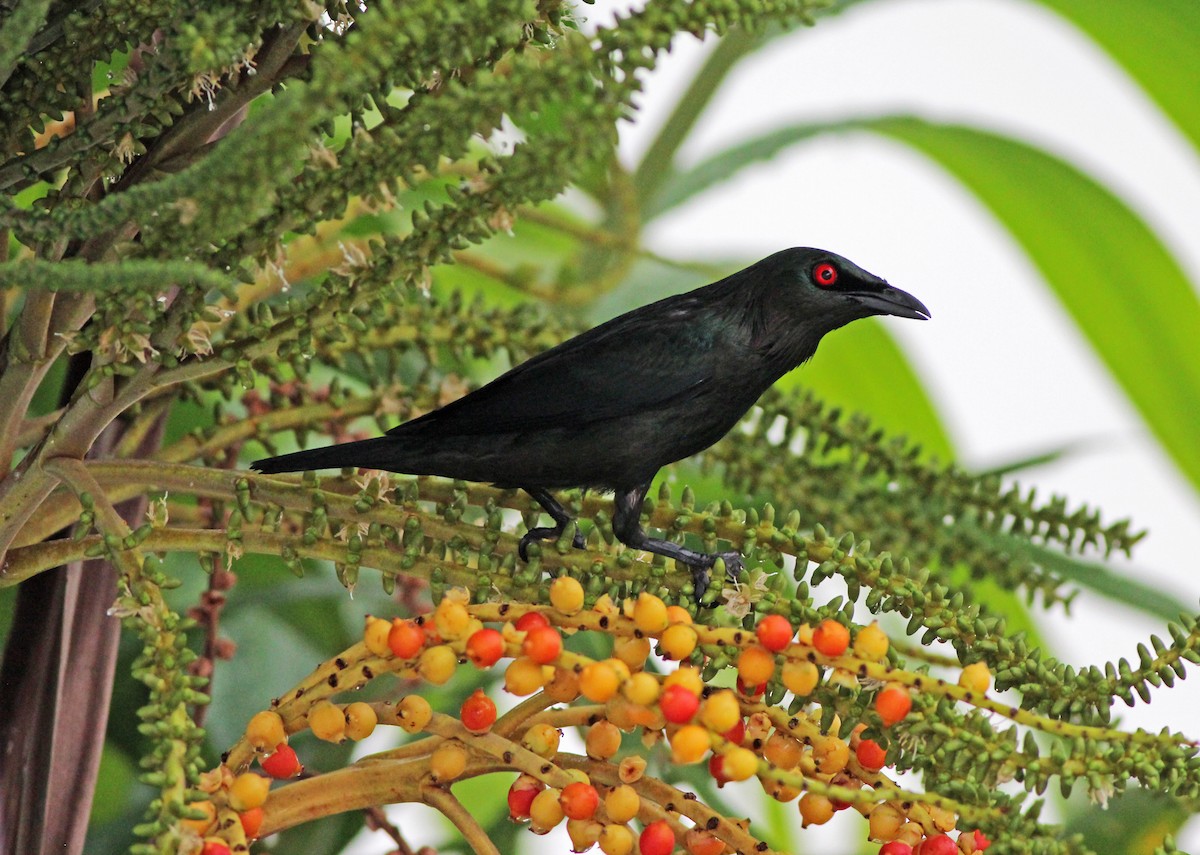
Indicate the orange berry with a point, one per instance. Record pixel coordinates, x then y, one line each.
678 614
603 740
689 744
248 790
360 720
830 754
871 643
215 846
632 651
599 681
437 664
642 689
265 730
414 713
622 803
523 676
631 769
755 665
976 678
485 647
703 843
448 761
478 712
207 815
871 755
893 703
251 822
782 751
815 809
542 644
327 721
774 632
800 678
566 595
579 800
406 638
831 638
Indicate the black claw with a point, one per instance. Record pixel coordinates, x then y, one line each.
578 541
700 578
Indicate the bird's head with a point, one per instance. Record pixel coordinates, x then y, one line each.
803 293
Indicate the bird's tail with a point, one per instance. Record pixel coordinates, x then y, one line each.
377 453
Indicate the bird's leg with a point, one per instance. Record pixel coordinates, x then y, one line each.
560 516
627 526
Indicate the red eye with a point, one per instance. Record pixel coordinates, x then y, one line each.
825 275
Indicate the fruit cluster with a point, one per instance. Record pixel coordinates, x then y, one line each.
807 755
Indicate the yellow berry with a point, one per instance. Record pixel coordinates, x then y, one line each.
360 720
871 643
327 721
603 740
621 803
542 739
740 763
375 636
414 713
830 754
677 641
800 678
632 651
976 678
566 595
265 730
616 840
563 686
584 833
755 665
201 824
641 689
546 810
523 676
448 761
599 681
437 664
248 790
678 614
686 676
650 614
631 768
720 711
885 822
690 743
451 619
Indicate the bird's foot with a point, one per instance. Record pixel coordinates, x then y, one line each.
701 575
545 532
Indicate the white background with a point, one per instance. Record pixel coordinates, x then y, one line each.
1006 367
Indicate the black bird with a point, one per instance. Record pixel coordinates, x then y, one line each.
611 406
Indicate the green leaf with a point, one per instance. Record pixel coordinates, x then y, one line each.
1126 293
1155 42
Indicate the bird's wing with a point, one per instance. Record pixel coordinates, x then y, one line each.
634 363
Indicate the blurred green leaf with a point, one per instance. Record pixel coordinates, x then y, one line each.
1126 293
1133 823
1155 42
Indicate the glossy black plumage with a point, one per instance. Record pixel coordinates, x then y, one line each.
608 408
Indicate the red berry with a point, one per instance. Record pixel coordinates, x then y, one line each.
981 842
542 644
406 639
896 848
716 768
750 691
529 620
215 847
871 755
657 839
579 800
893 704
774 632
737 733
678 704
478 712
521 795
485 647
939 844
283 763
251 822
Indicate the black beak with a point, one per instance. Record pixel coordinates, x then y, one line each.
892 301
